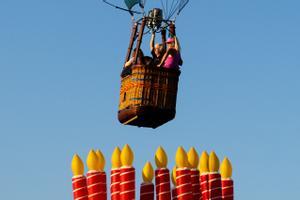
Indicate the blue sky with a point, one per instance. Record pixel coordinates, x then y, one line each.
239 92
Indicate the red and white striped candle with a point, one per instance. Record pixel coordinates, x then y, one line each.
162 184
174 189
147 187
214 178
78 179
196 190
79 188
204 170
127 183
115 175
174 193
183 176
127 175
227 182
115 184
96 177
162 175
204 186
193 160
147 191
96 183
184 186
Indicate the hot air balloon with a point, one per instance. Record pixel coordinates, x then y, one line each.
148 93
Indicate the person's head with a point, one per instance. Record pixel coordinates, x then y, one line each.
170 43
140 53
158 49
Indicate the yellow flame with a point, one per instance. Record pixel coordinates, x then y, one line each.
226 168
115 158
174 176
77 165
161 158
101 160
92 161
214 163
148 173
127 156
203 166
193 158
181 158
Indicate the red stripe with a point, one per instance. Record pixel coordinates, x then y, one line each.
214 181
184 186
127 183
162 184
227 190
79 188
204 186
115 184
96 184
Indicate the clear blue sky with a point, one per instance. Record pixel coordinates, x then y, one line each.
239 92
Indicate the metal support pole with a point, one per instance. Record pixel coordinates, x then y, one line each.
139 40
131 42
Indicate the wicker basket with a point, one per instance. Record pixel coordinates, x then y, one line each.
148 96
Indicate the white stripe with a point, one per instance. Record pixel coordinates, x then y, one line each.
182 176
227 187
158 185
179 186
147 193
81 197
183 194
127 192
89 186
91 195
126 182
161 193
114 193
115 183
124 173
78 189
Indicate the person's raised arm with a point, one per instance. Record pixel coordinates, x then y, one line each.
129 62
177 45
152 41
164 58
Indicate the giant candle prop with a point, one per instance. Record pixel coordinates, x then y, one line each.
127 174
204 170
78 180
115 174
174 190
96 177
162 175
183 176
193 160
147 187
214 177
227 182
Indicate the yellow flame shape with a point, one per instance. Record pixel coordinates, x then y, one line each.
101 160
193 158
92 161
161 158
115 158
226 168
181 158
77 165
127 156
173 176
203 166
214 163
148 173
